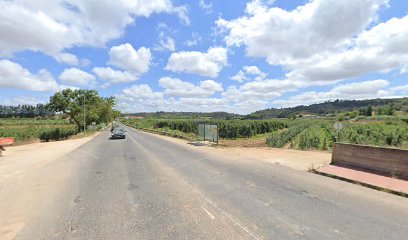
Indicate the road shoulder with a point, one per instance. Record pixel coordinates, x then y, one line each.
295 159
30 174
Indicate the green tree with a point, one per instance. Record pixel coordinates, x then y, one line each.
390 110
369 111
71 103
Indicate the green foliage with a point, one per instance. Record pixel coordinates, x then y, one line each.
378 134
97 109
31 122
56 134
316 137
369 111
187 115
31 129
280 138
301 133
228 129
332 107
405 119
24 111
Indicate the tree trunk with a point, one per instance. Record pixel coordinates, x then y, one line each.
78 125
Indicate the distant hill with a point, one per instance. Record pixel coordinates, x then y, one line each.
184 115
332 107
319 109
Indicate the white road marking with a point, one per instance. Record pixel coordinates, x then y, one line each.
209 214
232 219
132 138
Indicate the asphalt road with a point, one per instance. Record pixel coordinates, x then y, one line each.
145 187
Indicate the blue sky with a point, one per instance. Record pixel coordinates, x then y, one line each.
236 56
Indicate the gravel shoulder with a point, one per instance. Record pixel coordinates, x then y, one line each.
29 174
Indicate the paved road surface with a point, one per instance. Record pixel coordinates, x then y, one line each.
145 187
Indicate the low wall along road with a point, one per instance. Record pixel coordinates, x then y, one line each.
5 142
386 161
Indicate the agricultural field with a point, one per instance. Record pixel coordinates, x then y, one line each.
30 129
304 134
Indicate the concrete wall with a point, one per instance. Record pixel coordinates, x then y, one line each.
387 161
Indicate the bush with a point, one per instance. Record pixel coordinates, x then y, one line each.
405 119
375 134
280 138
56 134
228 129
316 137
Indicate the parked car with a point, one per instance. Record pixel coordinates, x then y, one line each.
118 133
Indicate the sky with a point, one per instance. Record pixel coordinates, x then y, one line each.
204 55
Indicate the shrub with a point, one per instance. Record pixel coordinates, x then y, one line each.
56 134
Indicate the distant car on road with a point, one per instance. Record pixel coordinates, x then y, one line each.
118 133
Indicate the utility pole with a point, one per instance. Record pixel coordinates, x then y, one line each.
84 115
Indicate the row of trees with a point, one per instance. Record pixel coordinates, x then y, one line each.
24 111
363 107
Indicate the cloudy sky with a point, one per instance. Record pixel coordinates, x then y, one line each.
204 55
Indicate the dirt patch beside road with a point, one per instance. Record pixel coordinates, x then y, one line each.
296 159
246 142
28 177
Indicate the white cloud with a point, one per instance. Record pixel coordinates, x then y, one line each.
305 42
127 58
182 13
53 26
138 98
165 43
142 91
379 49
77 77
402 90
175 87
248 72
23 100
179 95
114 76
206 7
240 76
358 90
133 63
207 64
195 39
261 90
254 70
290 37
13 75
67 58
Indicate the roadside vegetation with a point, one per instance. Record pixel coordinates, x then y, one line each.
62 118
25 130
299 133
228 129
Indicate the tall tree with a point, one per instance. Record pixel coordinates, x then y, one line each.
71 102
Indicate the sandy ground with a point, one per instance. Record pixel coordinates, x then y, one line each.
28 174
296 159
